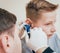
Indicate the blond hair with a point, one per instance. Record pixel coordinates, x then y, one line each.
35 7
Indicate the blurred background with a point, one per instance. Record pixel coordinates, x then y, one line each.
18 8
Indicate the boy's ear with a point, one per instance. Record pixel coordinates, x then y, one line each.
29 21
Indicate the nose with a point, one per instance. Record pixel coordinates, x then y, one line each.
53 29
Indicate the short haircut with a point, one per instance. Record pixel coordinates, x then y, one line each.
7 20
35 7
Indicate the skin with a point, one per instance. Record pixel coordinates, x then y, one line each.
46 21
10 44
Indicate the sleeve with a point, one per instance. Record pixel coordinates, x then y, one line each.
49 50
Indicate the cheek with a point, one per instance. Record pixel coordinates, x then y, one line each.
17 45
4 43
1 47
46 29
10 45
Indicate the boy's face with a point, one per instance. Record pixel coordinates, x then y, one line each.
46 22
10 44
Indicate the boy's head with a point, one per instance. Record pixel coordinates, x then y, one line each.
42 13
7 32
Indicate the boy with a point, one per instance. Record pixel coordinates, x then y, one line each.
41 13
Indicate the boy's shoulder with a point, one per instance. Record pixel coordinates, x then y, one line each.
54 43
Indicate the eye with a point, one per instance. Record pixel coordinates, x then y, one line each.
47 23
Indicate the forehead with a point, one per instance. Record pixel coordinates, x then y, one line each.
48 16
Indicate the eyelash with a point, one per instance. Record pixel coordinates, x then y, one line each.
47 24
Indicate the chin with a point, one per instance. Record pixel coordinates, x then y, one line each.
50 35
